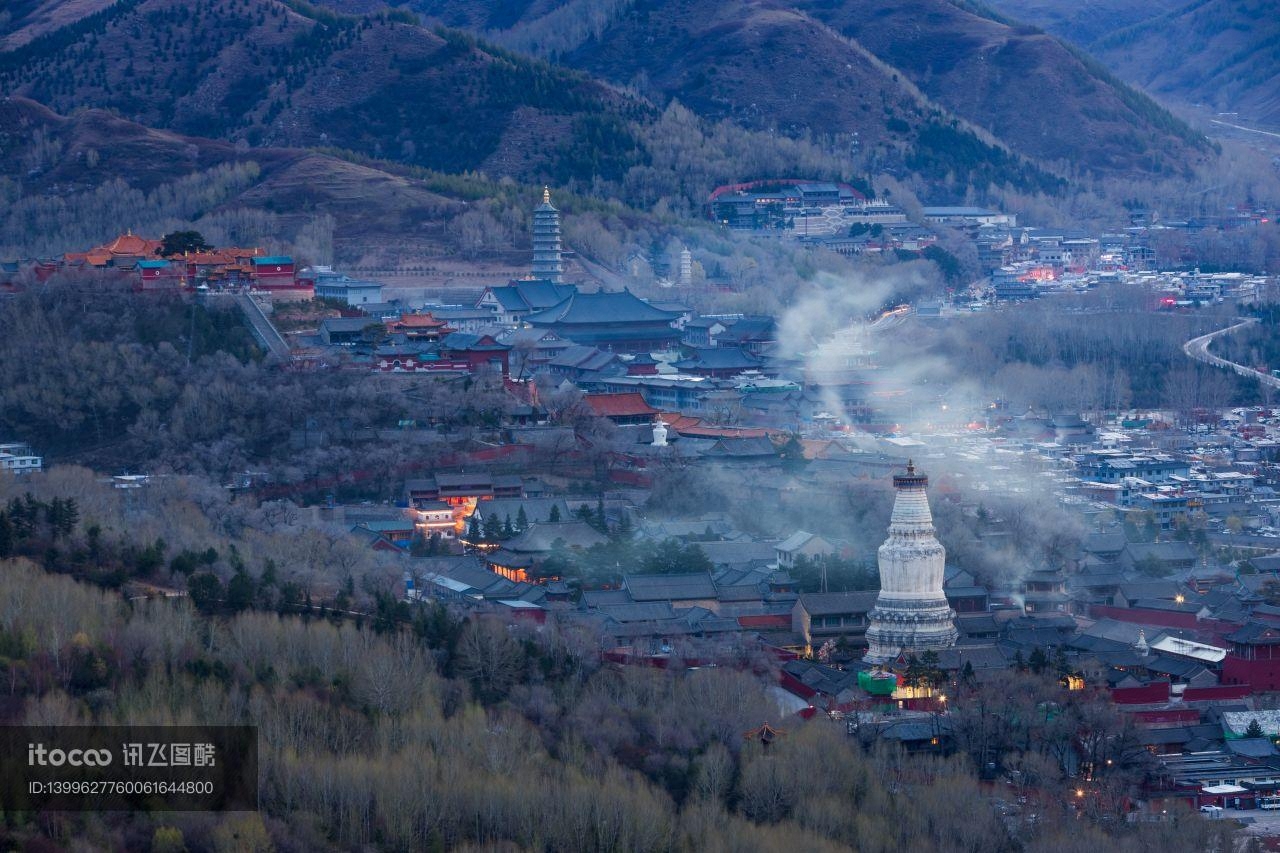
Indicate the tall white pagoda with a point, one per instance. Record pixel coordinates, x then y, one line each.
548 262
911 612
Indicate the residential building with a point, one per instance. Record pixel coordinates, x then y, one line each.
803 544
334 285
18 458
968 217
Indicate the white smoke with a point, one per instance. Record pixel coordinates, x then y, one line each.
837 325
838 328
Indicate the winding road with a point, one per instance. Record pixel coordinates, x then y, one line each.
1198 348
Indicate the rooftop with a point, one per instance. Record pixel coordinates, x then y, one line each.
828 603
629 404
695 585
594 308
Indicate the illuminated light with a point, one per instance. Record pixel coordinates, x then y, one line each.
1180 598
1079 792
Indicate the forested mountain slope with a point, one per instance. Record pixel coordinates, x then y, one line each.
1222 53
72 182
1226 55
836 66
266 73
261 72
1083 22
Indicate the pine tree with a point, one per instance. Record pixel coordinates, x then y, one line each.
205 591
70 516
94 536
53 517
269 574
554 517
522 519
240 590
1254 730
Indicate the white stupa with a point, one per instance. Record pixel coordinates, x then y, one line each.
659 433
911 612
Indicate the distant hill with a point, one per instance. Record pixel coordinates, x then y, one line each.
907 87
266 73
1083 22
768 67
1228 56
882 68
279 75
1222 53
88 177
1021 85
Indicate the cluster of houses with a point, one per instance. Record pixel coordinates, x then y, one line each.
1017 263
1146 612
1023 263
1188 652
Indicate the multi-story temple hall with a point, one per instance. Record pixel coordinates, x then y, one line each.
911 612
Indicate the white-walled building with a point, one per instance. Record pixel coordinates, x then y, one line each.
19 458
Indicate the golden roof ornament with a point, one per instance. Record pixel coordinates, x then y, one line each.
546 195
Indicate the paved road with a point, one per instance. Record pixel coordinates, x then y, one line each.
266 333
1242 127
1198 348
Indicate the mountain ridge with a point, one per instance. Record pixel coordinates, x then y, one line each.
1228 50
995 75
